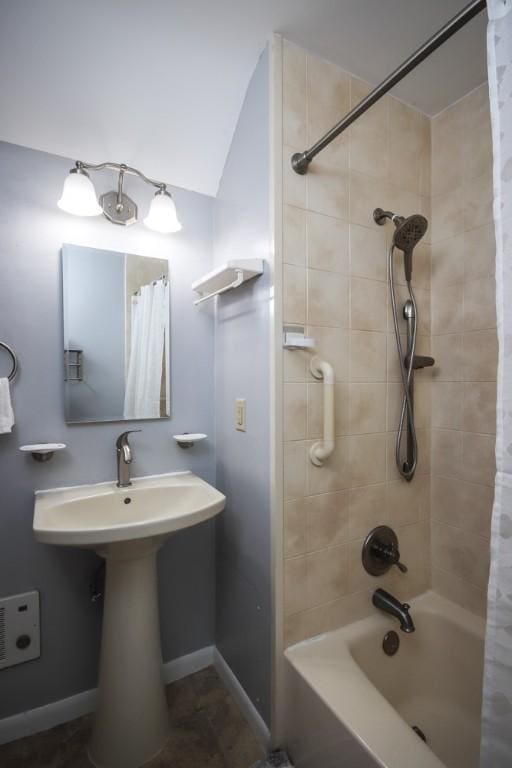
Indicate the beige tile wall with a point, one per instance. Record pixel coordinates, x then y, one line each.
334 282
464 344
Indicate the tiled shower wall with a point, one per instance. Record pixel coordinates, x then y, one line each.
334 284
464 344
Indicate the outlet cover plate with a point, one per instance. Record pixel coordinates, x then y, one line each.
240 414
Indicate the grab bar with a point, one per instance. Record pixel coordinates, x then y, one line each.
320 451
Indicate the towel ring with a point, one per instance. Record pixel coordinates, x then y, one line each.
14 360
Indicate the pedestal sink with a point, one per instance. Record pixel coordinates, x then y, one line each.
127 526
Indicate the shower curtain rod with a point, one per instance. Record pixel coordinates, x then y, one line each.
301 160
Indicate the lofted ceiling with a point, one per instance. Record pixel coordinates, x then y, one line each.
159 83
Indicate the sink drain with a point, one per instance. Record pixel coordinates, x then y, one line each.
420 733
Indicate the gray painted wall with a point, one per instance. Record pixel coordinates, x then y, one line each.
242 355
93 285
32 230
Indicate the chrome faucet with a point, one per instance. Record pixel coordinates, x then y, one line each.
124 458
389 604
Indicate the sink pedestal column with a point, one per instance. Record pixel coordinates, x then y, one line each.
131 723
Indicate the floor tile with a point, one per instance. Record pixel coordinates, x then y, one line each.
207 731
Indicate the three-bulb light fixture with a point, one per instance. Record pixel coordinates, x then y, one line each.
79 197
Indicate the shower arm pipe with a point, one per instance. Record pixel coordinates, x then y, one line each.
320 451
301 160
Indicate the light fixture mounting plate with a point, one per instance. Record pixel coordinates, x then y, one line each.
125 214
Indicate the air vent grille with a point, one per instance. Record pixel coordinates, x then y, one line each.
19 618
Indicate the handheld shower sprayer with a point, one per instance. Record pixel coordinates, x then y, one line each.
408 232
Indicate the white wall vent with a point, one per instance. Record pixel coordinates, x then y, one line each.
19 629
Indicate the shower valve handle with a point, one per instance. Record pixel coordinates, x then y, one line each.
390 554
380 551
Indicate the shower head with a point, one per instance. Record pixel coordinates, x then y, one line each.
409 231
407 235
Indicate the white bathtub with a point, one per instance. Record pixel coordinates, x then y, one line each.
349 705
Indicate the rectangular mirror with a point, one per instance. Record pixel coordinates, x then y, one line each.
116 335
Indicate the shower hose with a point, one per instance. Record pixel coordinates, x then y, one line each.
405 468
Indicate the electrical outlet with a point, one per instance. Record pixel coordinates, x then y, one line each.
19 629
240 414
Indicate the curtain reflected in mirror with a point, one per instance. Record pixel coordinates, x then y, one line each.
145 395
116 335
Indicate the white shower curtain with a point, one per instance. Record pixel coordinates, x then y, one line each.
496 746
150 314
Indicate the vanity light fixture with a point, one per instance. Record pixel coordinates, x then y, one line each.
79 198
162 216
78 195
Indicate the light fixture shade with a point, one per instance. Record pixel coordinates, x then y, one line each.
78 195
162 216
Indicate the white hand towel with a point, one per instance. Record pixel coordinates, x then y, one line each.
6 412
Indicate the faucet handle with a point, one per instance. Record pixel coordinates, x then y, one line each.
380 551
391 554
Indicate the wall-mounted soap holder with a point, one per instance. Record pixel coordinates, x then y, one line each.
294 337
42 451
189 439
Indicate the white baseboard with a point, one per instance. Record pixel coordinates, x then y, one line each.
64 710
187 665
249 711
47 716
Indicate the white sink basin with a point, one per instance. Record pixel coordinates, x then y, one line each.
127 526
100 514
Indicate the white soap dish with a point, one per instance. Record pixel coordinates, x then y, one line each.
297 341
188 439
42 451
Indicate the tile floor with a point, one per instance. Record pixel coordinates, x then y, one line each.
208 731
